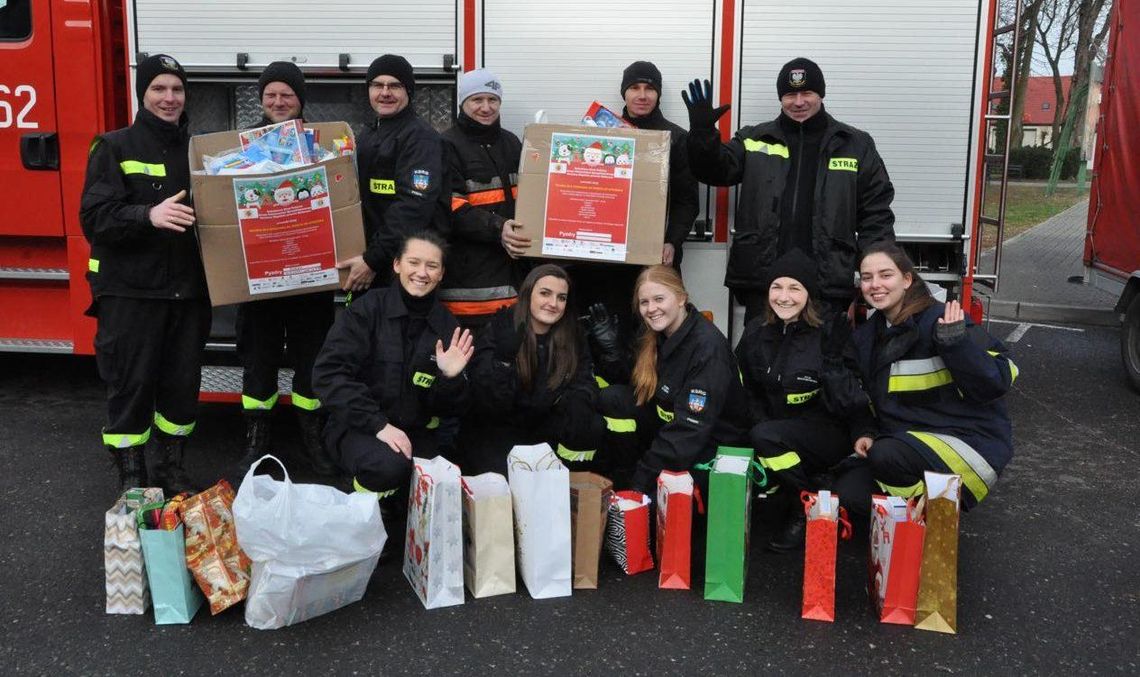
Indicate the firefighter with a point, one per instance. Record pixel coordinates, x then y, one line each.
937 382
533 381
146 278
685 396
401 163
392 364
483 171
265 328
807 404
808 181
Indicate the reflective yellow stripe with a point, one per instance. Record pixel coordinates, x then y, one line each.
253 404
422 380
769 148
844 164
1013 370
171 428
125 440
666 416
621 425
962 460
919 374
433 423
136 167
382 186
571 455
93 265
784 461
800 398
360 488
301 402
602 383
903 492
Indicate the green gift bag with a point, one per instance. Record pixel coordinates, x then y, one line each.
172 591
729 506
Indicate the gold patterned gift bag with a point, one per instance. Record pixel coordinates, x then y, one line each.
937 608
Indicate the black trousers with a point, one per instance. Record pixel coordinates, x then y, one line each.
269 331
373 464
795 449
889 462
149 353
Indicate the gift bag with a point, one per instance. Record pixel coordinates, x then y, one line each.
212 550
826 523
433 550
896 555
730 505
589 502
313 547
627 532
938 582
674 529
176 598
540 491
124 571
488 535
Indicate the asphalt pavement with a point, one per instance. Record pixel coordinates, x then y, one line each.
1048 572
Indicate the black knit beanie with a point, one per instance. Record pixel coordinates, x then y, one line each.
395 66
796 265
641 71
800 75
154 66
286 72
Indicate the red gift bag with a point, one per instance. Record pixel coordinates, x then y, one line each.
675 492
627 532
896 558
826 523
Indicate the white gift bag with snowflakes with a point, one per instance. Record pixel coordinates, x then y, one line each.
433 550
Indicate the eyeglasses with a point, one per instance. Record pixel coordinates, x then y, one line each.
390 86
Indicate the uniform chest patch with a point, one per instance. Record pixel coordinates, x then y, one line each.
421 179
697 400
843 164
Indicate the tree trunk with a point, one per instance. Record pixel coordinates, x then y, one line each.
1089 40
1023 63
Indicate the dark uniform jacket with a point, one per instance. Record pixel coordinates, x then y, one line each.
365 378
852 199
403 186
129 171
918 383
483 171
684 199
784 372
699 402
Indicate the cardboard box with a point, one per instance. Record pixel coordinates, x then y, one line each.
594 194
219 232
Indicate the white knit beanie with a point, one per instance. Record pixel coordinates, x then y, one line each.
478 81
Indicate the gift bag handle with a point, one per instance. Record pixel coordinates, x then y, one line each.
281 495
808 500
700 500
844 525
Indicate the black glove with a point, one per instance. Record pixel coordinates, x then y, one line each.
508 337
699 102
604 331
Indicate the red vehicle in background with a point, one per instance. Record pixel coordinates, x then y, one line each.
1112 243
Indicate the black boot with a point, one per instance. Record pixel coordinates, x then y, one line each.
791 536
310 422
131 464
394 513
257 430
169 473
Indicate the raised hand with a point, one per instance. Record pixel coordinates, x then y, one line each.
453 360
699 102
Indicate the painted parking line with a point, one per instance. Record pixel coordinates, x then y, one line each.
1022 327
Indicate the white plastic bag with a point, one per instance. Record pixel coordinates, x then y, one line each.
540 491
313 547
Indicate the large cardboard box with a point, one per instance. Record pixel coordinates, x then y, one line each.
219 229
594 194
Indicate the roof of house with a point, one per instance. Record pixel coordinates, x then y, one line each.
1039 93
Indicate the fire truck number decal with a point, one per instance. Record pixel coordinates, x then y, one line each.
22 91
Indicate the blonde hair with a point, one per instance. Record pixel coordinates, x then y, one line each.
644 377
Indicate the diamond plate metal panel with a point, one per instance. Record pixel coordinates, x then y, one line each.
228 380
209 106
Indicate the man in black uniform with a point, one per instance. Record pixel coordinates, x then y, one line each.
807 181
146 278
401 163
265 328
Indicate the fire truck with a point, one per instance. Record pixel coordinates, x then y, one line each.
1112 241
916 76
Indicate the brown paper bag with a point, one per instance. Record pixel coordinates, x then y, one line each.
937 607
589 500
488 535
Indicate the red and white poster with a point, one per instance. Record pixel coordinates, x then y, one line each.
588 193
286 231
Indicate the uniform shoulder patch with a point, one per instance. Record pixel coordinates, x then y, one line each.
421 179
698 400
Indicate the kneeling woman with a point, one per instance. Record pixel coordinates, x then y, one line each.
809 406
392 364
532 381
937 382
685 382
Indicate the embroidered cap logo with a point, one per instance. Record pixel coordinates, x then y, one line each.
797 77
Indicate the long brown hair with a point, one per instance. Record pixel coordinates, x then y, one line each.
562 353
644 378
917 297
